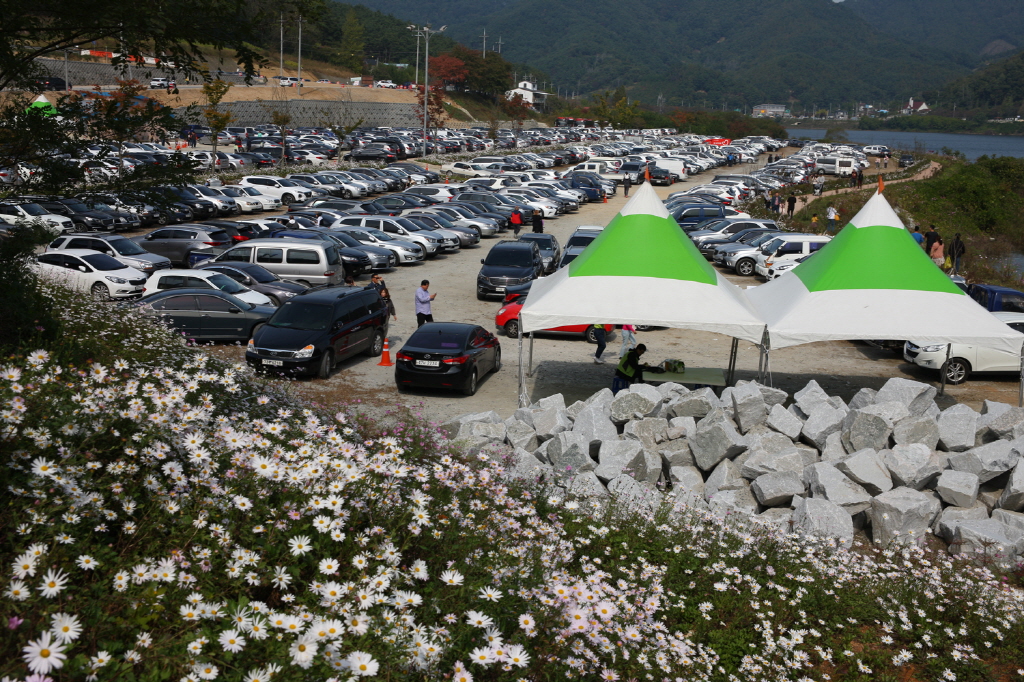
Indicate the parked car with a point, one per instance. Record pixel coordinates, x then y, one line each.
995 298
257 278
287 191
965 360
507 320
508 263
304 261
202 279
18 214
742 258
787 248
447 355
119 248
176 243
404 251
550 251
313 331
206 314
97 274
906 160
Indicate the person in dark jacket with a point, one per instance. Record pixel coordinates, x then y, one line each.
957 249
626 184
537 220
630 370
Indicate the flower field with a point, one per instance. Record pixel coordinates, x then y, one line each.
169 518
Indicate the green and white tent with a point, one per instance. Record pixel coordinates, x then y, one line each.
873 281
641 270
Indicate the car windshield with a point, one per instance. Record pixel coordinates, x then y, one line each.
225 283
75 205
260 274
438 340
34 209
442 221
126 247
286 183
251 191
509 257
230 191
103 262
409 225
771 246
580 240
302 315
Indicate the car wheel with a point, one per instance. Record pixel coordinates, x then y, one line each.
255 328
957 371
497 360
287 199
643 327
275 301
161 219
323 371
745 267
470 388
100 292
591 334
481 296
346 194
377 345
512 329
304 283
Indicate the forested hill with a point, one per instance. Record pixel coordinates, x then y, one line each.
731 52
980 28
996 90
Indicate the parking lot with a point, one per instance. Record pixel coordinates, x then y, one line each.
564 364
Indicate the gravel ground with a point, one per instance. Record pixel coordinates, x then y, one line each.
564 364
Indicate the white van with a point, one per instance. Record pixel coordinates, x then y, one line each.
843 166
788 248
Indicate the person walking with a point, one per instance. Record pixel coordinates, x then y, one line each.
629 370
537 220
423 299
930 237
832 214
860 178
885 161
377 282
918 237
814 223
628 338
626 184
776 203
516 220
790 205
938 253
878 164
957 249
599 334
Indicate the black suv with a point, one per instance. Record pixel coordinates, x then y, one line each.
315 329
508 263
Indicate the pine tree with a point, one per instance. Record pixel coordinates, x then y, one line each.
352 43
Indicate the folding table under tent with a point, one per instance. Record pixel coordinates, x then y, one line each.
873 281
641 270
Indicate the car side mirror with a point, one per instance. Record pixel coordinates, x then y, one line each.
234 311
82 268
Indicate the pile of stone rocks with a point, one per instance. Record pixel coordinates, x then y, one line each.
889 464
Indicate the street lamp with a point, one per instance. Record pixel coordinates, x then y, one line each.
427 32
419 34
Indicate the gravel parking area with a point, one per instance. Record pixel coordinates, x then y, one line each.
564 364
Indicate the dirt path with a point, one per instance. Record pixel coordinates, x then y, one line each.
932 169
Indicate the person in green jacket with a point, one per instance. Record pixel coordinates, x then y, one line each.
630 370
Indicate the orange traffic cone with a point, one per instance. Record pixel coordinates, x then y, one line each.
606 198
385 360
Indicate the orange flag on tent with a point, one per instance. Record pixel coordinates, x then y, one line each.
881 183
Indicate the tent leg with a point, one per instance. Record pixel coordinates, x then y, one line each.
945 364
732 361
523 399
529 366
1020 393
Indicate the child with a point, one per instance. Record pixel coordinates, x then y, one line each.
814 223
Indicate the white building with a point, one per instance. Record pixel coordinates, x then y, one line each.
530 93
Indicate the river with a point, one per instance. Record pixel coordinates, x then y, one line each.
972 146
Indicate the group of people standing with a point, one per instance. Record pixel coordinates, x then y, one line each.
935 247
517 220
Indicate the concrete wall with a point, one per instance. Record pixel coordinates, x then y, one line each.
322 113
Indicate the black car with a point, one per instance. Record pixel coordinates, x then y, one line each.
206 314
660 176
405 201
371 154
410 167
311 332
906 160
550 252
84 218
393 183
258 160
201 208
508 263
355 260
257 278
447 355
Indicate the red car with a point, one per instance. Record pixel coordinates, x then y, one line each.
508 319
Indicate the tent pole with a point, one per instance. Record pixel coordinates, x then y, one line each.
522 379
945 365
529 366
732 361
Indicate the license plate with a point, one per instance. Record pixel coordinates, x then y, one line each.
499 288
428 363
274 363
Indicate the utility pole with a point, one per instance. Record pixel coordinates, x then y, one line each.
299 84
281 73
499 43
484 36
427 31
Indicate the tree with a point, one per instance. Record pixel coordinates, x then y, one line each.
215 119
350 50
281 119
516 108
177 31
486 74
448 69
435 107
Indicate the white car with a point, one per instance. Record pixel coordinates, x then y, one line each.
287 191
269 203
162 280
92 272
965 360
23 214
311 157
245 202
471 170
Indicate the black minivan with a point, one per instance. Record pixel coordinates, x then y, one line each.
314 330
508 263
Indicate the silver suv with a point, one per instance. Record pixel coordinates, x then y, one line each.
119 248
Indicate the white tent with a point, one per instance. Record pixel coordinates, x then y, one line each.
873 281
641 270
